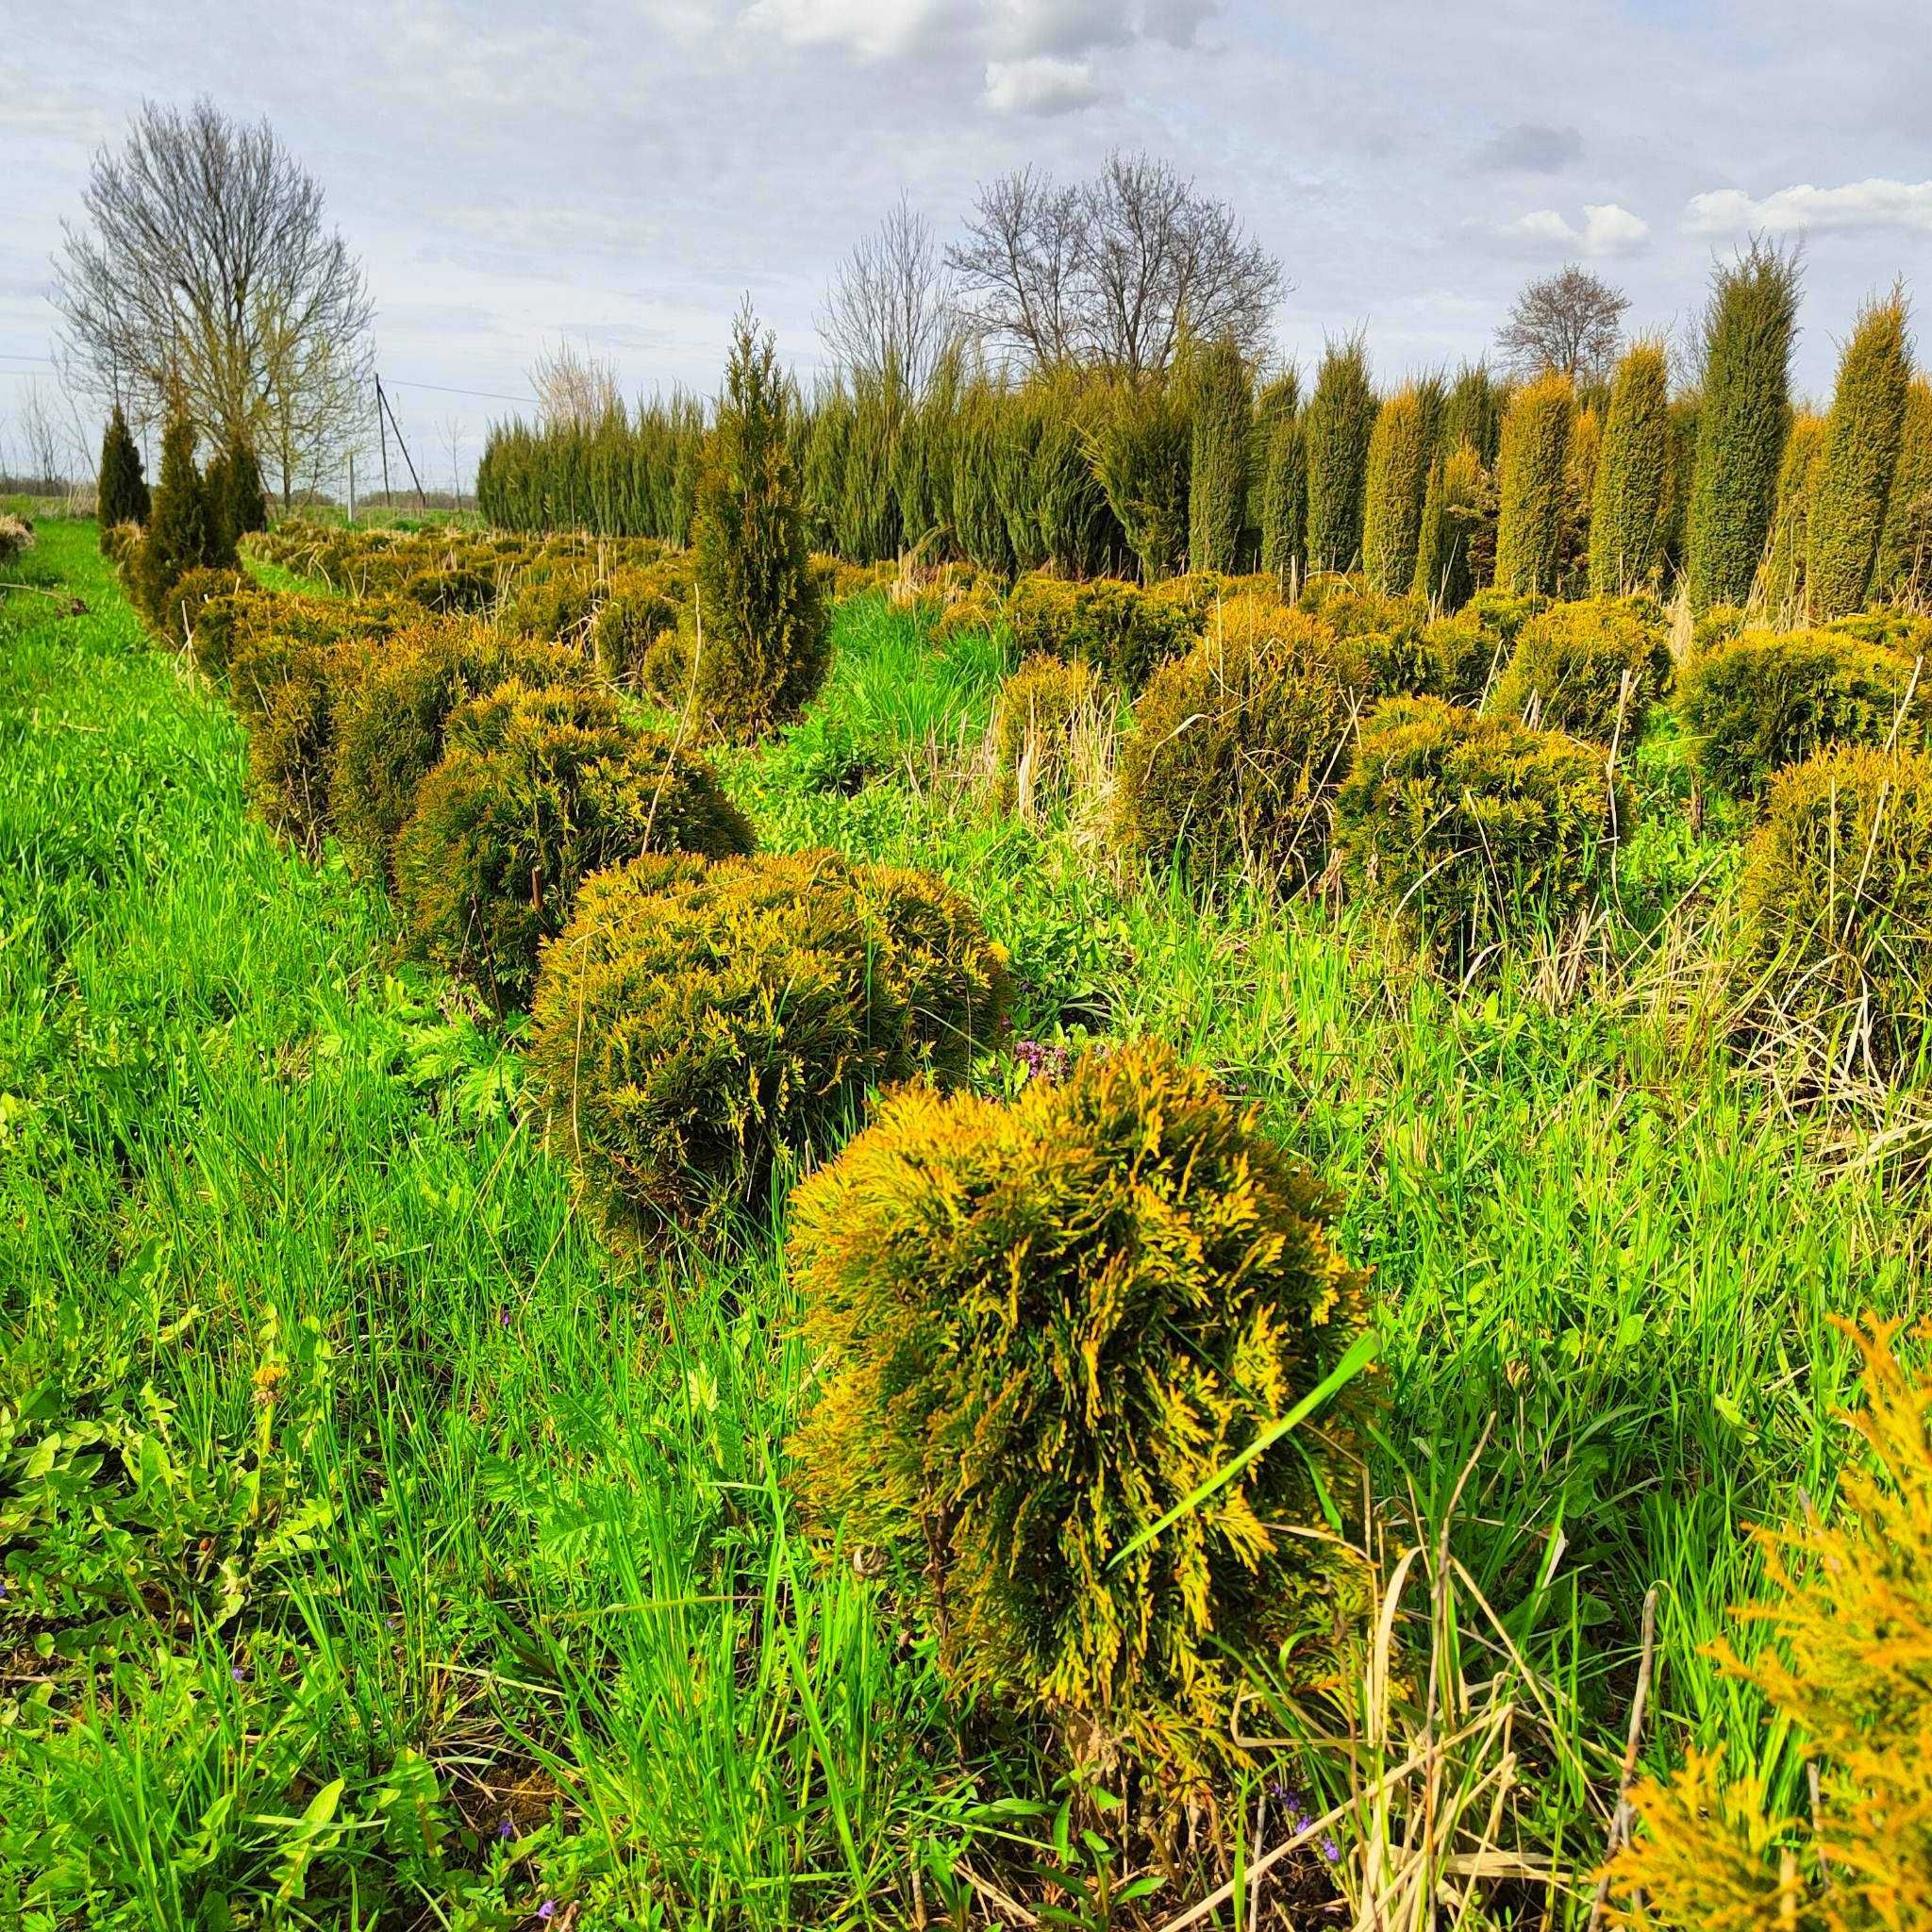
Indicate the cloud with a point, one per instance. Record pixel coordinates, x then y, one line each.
1044 84
1606 229
1529 148
872 30
1873 204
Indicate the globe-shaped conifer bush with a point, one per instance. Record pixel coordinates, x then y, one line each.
1044 1328
538 787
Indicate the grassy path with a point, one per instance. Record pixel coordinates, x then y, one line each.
338 1451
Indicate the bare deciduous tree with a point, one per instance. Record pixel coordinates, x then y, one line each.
574 386
204 271
890 313
1571 322
1113 270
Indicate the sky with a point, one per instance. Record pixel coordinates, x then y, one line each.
621 174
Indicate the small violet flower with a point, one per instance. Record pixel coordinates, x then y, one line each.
1331 1851
547 1911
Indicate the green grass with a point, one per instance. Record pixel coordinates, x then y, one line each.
353 1502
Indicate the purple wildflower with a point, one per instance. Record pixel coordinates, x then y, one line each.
547 1911
1331 1851
507 1828
1044 1059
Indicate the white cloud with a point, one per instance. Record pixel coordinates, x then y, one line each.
872 30
1873 204
1606 229
1044 84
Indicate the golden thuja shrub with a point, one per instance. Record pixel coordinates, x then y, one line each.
1044 1328
1046 709
1850 1606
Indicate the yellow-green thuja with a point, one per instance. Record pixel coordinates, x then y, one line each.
1743 421
1446 562
1633 477
1338 422
1284 497
1397 482
1532 481
1862 436
1579 494
1276 399
1909 513
1223 398
1138 444
1779 592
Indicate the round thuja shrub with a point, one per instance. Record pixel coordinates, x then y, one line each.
389 730
291 717
538 787
1237 748
1837 900
187 597
1592 667
1754 703
1044 1328
1115 626
694 1022
1045 710
1475 827
643 604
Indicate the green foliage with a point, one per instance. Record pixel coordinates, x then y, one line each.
1851 488
865 520
1221 395
1457 542
1473 414
1837 897
620 476
1758 701
695 1020
979 523
1139 447
1633 478
1476 828
1532 478
1047 1326
296 688
759 643
641 605
1904 571
1237 748
389 730
121 490
179 536
1043 709
1742 420
1580 467
1115 626
1336 427
1780 587
1400 451
1285 498
1591 669
1686 412
537 788
1079 535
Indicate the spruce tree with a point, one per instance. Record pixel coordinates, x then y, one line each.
1862 436
1223 398
1743 419
759 636
1532 480
1633 477
1338 422
1398 475
1911 496
1285 499
178 536
121 493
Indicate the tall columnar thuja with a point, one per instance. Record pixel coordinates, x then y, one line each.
1580 468
1284 497
1447 557
979 522
1139 443
1779 592
237 506
1743 416
1908 516
1021 421
759 649
1397 480
1079 533
1223 398
1633 477
1340 421
1473 414
120 491
1862 436
178 536
866 521
1276 400
1531 486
